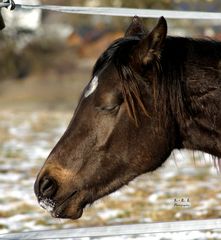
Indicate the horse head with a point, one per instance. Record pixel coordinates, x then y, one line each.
117 132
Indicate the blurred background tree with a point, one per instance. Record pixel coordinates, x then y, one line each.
54 47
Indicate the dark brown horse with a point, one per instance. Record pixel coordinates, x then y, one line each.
149 94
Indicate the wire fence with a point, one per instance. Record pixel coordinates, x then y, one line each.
123 12
120 230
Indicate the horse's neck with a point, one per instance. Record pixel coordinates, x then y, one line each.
202 128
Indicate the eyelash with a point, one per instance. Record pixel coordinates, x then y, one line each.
109 109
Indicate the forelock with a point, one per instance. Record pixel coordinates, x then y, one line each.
117 53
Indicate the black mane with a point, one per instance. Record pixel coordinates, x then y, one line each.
169 84
117 52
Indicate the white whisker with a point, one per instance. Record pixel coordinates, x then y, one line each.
47 204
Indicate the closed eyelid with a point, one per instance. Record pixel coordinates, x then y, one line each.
107 107
108 100
108 110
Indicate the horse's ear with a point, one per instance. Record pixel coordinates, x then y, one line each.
150 47
135 28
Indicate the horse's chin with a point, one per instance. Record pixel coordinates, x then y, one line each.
71 206
68 213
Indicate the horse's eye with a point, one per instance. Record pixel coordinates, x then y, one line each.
109 109
110 103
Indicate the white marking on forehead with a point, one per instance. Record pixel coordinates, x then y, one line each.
47 204
92 87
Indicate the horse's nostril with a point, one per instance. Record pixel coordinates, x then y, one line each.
48 187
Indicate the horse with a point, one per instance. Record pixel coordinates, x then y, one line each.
149 94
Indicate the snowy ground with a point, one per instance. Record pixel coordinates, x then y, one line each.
27 138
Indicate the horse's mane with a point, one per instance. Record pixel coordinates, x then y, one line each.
167 83
118 53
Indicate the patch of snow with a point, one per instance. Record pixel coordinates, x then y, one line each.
108 213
